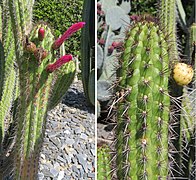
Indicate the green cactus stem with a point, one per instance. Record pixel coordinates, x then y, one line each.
7 71
42 79
187 136
168 18
143 104
40 76
36 85
168 22
188 116
103 163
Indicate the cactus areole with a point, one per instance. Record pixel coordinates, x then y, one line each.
143 106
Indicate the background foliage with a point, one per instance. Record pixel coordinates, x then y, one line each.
151 6
61 14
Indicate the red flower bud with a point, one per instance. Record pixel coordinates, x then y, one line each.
75 27
62 60
116 44
101 41
41 33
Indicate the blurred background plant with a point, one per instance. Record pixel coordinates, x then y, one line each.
61 14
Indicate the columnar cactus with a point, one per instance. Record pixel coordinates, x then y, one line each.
7 69
155 133
168 22
43 79
188 124
143 104
168 14
37 83
103 163
88 51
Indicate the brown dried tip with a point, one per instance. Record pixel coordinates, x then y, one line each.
30 47
40 54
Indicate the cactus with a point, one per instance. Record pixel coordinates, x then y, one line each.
88 51
143 108
103 163
43 78
37 83
188 136
7 71
155 133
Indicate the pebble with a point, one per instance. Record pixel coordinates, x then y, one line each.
54 172
83 136
68 151
61 175
40 176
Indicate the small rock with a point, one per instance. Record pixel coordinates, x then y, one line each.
69 142
91 175
40 176
54 172
61 175
61 159
75 169
82 162
67 132
83 136
77 130
92 152
46 172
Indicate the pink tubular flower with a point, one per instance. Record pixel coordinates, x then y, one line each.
75 27
62 60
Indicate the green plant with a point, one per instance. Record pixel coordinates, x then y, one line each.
188 114
103 163
88 51
41 82
155 132
142 6
143 111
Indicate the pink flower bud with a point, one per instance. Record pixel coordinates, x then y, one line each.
101 41
98 6
41 33
75 27
110 49
62 60
135 17
116 44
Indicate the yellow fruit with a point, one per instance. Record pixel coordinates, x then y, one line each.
182 73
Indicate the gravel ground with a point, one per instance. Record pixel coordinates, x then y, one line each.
68 151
